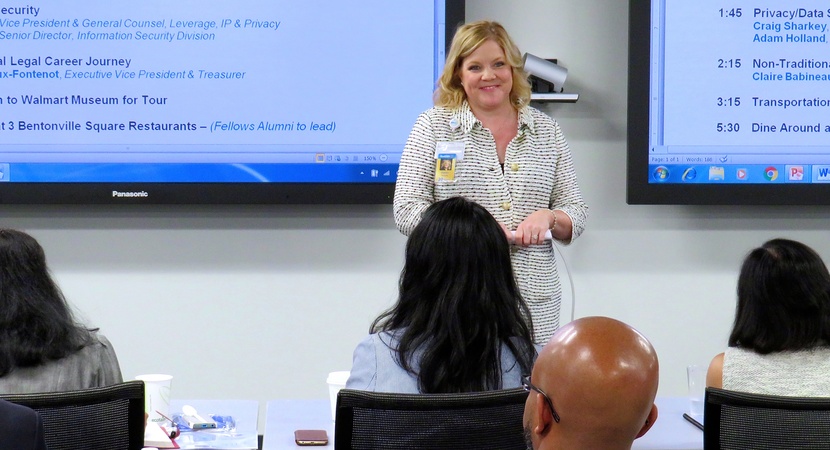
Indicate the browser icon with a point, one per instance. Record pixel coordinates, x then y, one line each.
771 173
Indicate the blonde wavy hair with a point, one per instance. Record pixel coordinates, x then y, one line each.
467 39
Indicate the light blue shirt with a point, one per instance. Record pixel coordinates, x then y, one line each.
375 367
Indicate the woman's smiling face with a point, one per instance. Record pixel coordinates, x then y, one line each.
487 77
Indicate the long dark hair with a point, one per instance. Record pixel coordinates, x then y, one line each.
36 323
783 299
458 302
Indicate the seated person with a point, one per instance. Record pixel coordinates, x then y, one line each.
459 324
779 340
42 347
20 428
593 387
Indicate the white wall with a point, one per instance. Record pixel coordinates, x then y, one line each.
262 302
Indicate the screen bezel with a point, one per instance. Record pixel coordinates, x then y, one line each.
217 193
638 190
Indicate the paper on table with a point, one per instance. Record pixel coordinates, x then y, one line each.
216 439
156 436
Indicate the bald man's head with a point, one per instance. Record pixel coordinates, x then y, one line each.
601 376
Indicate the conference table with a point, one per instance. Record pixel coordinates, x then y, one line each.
282 417
670 432
245 414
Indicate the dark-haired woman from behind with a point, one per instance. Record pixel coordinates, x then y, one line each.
459 324
779 341
42 347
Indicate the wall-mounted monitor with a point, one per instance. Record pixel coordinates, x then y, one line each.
729 103
214 102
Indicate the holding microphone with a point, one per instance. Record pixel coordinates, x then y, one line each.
483 141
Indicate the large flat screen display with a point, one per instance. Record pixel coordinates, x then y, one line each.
729 103
206 101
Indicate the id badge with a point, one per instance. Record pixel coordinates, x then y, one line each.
447 155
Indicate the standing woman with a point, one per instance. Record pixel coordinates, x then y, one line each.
484 142
42 347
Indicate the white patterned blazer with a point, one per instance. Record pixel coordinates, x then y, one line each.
538 173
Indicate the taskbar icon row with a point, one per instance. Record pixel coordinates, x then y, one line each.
735 173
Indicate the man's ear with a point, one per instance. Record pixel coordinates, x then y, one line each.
542 413
652 417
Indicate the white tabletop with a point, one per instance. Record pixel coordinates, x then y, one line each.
285 416
244 412
670 432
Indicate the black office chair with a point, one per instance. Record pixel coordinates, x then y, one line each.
740 421
481 421
105 418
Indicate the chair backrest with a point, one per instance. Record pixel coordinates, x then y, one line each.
480 420
105 418
740 420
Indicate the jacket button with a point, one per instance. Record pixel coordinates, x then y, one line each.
505 206
514 167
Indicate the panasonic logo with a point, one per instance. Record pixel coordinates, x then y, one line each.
130 194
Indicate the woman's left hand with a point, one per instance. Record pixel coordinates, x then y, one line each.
532 230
